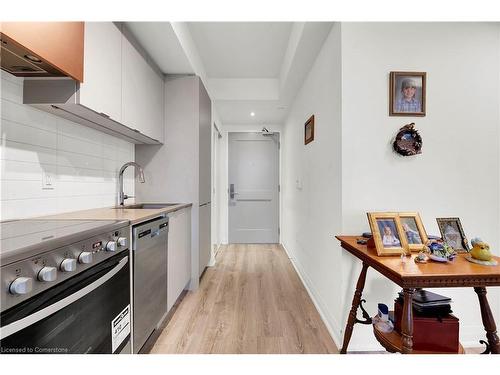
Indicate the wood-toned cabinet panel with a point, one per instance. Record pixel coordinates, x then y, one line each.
142 94
102 89
58 43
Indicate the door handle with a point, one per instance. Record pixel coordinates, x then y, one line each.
232 193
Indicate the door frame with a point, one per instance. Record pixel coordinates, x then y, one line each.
225 208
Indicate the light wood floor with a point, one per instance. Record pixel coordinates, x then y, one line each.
252 301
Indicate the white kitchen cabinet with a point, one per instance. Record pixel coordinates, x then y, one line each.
101 90
181 167
121 93
179 254
142 93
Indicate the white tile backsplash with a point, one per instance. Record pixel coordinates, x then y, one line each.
16 151
17 132
83 162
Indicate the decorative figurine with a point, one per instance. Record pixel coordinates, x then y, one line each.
480 253
480 250
408 141
440 251
421 257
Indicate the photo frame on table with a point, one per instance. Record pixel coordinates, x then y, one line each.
407 93
309 130
453 233
388 235
414 230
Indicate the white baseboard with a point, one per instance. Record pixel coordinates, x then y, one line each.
306 281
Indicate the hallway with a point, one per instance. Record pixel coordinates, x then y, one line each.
251 302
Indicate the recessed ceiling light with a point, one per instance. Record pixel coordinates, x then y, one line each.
252 114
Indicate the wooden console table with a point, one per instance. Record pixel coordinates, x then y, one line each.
410 275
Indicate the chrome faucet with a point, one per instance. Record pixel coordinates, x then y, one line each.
120 178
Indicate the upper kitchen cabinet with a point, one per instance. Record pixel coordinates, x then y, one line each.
122 94
142 93
43 49
102 90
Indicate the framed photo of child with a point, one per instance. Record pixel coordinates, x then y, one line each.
407 93
388 234
414 230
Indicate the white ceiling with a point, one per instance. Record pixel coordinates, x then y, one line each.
241 49
162 45
246 66
237 112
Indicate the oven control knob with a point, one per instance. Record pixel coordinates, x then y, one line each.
21 285
111 246
68 265
85 257
122 241
47 274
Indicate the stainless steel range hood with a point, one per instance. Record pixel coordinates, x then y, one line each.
21 62
60 96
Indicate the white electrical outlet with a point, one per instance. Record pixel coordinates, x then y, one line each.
48 181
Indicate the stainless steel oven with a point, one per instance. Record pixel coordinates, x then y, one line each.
69 294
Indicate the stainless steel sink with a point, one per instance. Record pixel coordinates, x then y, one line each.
146 206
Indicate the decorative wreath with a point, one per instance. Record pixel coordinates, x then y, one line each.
408 141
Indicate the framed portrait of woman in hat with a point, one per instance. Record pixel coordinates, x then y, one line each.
407 94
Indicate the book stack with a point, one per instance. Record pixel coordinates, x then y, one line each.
429 304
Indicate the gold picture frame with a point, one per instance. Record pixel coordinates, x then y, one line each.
387 233
414 230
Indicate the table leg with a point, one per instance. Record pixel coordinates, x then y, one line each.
488 320
407 321
354 308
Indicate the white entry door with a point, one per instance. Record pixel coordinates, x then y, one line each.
253 188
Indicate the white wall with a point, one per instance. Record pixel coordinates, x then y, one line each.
350 168
458 171
223 168
82 162
312 183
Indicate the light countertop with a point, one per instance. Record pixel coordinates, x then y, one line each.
133 215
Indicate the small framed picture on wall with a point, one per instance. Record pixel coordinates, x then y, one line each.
407 93
309 130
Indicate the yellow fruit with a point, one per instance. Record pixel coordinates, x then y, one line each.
481 251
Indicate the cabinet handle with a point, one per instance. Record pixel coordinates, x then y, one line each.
104 115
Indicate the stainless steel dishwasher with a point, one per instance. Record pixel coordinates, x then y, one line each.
149 249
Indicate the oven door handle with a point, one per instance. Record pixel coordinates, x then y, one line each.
20 324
